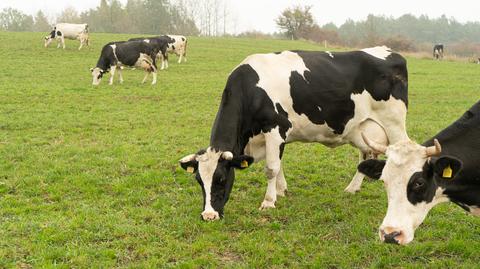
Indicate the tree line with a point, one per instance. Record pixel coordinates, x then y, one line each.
406 33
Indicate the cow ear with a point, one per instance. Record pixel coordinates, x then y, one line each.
189 163
372 168
241 162
447 167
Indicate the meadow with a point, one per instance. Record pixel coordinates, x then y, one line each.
89 176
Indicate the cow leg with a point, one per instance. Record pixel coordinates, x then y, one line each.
81 44
273 144
63 41
120 77
357 180
281 183
154 80
163 63
112 73
145 77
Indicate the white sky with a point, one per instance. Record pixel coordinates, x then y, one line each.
260 14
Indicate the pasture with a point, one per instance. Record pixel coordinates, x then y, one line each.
89 176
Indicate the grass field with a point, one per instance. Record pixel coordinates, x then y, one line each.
89 175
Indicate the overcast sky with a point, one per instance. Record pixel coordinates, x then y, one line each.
260 14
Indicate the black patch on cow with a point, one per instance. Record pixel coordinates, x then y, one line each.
59 33
282 148
183 39
323 93
173 47
160 43
421 187
52 34
372 168
460 141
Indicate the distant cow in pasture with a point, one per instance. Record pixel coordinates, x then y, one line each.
418 177
177 45
160 43
438 52
69 31
125 53
274 99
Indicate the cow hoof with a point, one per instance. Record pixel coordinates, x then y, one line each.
209 216
267 204
352 189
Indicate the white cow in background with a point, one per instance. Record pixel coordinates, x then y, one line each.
70 31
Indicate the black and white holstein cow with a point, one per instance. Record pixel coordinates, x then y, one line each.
125 53
176 45
418 177
438 52
273 99
69 31
160 43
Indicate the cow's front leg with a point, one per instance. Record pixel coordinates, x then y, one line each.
273 143
357 180
145 77
112 74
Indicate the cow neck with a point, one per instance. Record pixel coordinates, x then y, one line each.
227 129
103 63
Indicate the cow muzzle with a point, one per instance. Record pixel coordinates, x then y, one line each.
210 215
393 236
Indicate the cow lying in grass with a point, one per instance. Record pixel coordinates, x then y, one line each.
418 177
125 53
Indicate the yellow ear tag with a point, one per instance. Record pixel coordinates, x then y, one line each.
244 164
190 169
447 172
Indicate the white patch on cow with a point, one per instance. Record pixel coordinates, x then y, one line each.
207 164
380 52
475 210
329 54
319 108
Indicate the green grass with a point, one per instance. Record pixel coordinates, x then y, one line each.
89 175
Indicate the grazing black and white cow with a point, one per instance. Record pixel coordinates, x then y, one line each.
159 42
273 99
69 31
418 177
125 53
438 52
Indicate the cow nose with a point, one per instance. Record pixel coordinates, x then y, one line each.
391 237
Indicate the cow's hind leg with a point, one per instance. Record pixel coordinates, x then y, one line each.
112 74
281 183
273 145
120 77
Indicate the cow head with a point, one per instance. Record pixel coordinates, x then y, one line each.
413 179
214 171
97 74
47 40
